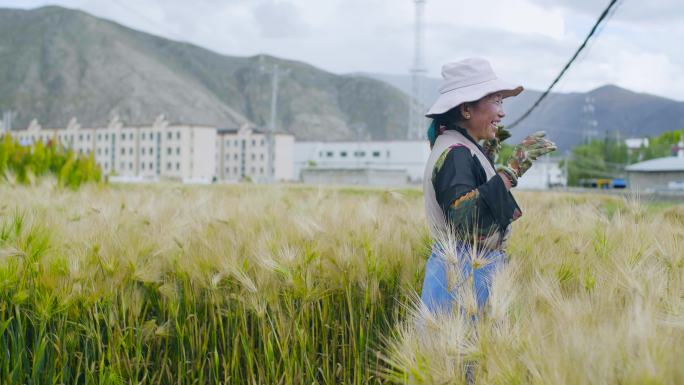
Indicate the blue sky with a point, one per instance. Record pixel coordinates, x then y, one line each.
527 41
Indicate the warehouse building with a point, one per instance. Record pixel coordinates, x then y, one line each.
398 161
658 174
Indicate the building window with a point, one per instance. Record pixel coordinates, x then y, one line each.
388 153
235 142
123 136
143 150
142 165
123 151
177 166
253 156
106 165
253 142
261 157
262 143
106 136
177 150
169 135
177 134
261 170
143 136
106 151
130 151
235 156
376 154
151 151
87 136
99 136
80 137
130 166
130 136
359 154
320 154
168 151
343 154
168 166
151 166
329 154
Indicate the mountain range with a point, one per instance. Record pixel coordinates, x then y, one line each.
617 112
58 63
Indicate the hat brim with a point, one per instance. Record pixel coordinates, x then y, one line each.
453 98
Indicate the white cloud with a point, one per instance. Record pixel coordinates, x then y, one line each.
279 19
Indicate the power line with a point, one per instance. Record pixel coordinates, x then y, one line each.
604 14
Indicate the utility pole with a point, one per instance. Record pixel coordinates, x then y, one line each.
276 73
415 129
566 167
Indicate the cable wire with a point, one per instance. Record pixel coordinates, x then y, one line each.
604 14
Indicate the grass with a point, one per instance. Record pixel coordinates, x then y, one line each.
170 284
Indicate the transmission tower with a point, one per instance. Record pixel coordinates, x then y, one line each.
589 120
416 118
276 74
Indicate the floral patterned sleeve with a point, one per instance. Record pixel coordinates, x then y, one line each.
468 200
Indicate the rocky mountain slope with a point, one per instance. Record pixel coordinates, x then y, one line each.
57 63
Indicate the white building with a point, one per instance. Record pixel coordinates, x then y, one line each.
409 156
545 173
242 153
181 152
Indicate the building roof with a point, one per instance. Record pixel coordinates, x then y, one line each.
669 163
253 130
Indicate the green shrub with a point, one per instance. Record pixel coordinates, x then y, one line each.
39 159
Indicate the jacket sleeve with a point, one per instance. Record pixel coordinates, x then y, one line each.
468 200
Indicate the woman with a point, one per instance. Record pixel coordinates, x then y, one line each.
468 202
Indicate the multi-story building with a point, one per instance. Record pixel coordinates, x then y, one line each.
242 153
162 150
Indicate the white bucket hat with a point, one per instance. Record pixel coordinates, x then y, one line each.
468 80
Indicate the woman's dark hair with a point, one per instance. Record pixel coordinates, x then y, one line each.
449 118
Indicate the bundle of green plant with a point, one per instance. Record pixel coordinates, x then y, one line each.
593 294
23 164
173 284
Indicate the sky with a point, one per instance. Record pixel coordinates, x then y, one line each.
527 41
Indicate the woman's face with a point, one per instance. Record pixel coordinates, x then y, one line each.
485 115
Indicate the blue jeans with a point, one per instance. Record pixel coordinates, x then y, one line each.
436 294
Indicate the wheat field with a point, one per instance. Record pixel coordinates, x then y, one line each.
246 284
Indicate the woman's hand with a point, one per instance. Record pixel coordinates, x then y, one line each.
492 147
531 148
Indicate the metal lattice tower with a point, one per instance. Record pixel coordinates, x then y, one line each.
416 124
589 120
